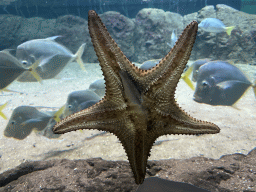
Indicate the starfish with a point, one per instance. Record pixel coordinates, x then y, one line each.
139 105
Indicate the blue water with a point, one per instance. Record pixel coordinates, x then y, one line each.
54 8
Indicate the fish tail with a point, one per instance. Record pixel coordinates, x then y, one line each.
8 90
79 54
1 108
229 29
185 76
56 115
254 88
33 71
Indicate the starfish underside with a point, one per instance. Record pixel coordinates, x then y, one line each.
139 105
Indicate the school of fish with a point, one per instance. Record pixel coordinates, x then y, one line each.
217 82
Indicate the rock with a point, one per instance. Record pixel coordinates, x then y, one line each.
9 28
144 37
152 32
189 18
29 29
206 12
235 172
121 29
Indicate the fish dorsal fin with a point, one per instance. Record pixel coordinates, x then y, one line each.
53 37
9 51
32 122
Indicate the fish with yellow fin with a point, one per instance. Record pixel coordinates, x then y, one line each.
214 25
220 83
195 66
53 57
78 98
76 101
11 69
25 119
1 108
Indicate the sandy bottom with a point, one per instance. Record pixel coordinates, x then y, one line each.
238 132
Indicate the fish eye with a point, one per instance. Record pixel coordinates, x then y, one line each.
13 122
204 83
70 106
24 62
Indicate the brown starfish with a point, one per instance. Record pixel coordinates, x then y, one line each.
139 105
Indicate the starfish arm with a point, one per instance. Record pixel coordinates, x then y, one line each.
177 121
98 116
106 48
170 68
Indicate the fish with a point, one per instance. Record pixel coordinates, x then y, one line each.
76 101
54 57
196 66
147 65
1 108
220 83
156 184
47 131
86 104
76 98
173 39
73 105
11 68
214 25
98 87
25 119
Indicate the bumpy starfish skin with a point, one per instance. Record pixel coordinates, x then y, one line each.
139 105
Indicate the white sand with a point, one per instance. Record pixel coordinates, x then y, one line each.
237 134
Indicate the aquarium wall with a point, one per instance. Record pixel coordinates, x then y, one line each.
146 36
129 8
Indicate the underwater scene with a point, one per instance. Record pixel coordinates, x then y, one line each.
128 95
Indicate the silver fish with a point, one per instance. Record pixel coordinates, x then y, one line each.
53 57
220 83
23 120
149 64
98 87
152 184
173 39
11 69
76 98
214 25
196 66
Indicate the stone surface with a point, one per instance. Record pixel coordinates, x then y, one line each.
9 28
152 32
121 29
235 172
